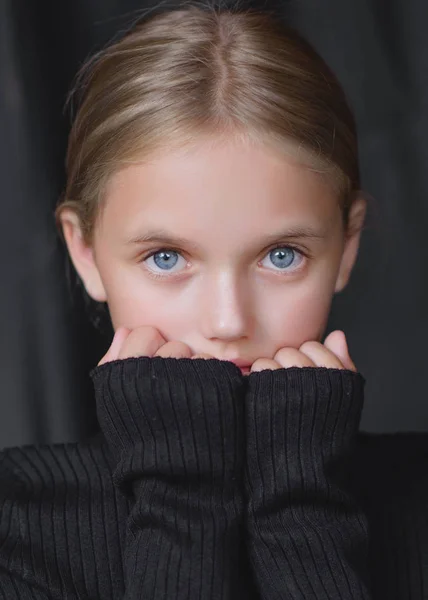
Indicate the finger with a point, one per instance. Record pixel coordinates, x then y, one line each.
203 355
291 357
174 350
262 364
143 341
336 342
113 352
321 356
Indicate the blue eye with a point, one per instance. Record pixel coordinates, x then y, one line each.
284 257
163 260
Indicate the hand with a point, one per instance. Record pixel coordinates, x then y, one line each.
143 341
147 341
332 354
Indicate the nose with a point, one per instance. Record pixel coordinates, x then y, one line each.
224 308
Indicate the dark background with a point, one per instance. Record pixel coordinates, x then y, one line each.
379 50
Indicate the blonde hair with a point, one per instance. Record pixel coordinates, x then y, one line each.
196 70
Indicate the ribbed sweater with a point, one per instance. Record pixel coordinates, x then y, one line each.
203 483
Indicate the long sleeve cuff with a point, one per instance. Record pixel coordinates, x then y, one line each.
307 537
175 428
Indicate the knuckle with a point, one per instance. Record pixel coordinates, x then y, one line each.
175 349
149 334
284 353
142 341
258 362
310 345
181 347
262 364
289 357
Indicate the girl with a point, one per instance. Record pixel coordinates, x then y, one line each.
213 202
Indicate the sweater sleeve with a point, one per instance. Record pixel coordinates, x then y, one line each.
308 539
175 430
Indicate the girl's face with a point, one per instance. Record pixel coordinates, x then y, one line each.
230 248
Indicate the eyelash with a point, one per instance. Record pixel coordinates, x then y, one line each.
154 275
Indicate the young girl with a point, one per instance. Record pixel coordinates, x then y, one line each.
213 202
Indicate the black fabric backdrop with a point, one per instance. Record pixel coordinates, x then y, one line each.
378 48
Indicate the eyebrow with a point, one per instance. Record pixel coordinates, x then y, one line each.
161 236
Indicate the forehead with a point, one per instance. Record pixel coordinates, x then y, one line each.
217 189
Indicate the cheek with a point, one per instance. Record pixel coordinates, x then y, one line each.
133 302
298 316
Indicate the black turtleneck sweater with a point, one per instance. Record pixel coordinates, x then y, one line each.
204 484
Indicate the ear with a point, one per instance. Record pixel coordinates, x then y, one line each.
82 256
357 214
